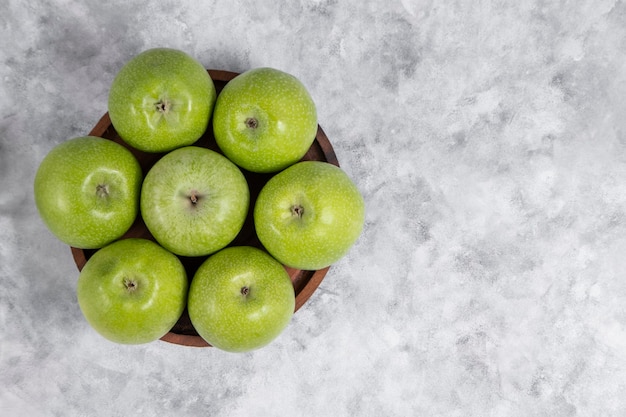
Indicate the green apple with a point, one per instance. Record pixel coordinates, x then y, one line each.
264 120
194 201
161 99
132 291
87 191
240 299
309 215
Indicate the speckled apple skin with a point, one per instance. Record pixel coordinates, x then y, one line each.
284 110
218 216
66 195
153 75
229 320
144 314
332 219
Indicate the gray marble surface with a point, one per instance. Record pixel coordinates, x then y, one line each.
489 141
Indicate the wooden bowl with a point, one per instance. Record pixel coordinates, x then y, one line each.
304 282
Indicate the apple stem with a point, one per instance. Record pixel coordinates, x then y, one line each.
194 197
252 123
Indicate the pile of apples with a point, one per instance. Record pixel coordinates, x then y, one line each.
193 200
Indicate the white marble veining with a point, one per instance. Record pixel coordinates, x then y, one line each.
489 141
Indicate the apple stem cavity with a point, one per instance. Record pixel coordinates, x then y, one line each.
297 211
102 190
163 106
130 285
252 123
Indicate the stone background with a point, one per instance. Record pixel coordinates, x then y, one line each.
489 141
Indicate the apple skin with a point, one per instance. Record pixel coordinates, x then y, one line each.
132 291
264 120
194 201
161 99
240 299
87 191
309 215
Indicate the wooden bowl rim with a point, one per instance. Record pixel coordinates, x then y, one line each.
316 277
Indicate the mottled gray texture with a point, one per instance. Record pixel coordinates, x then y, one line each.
489 142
